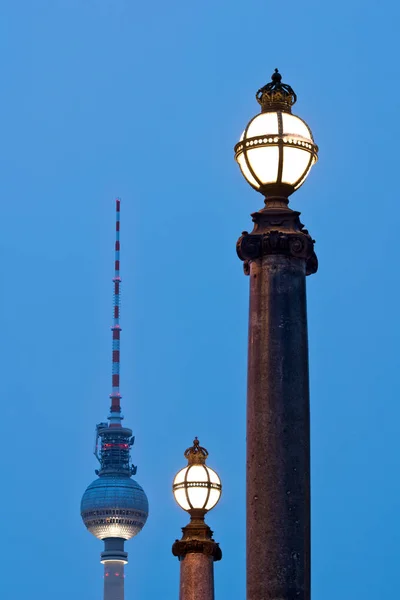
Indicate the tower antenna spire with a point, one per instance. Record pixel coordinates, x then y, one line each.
115 410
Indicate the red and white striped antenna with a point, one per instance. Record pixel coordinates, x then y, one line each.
115 411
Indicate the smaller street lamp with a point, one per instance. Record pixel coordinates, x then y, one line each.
197 489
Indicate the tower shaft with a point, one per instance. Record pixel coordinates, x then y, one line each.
114 559
278 255
114 580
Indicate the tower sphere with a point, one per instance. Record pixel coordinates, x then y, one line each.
114 507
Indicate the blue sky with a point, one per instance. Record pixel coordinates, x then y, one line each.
101 98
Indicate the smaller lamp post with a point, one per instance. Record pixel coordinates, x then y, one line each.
197 489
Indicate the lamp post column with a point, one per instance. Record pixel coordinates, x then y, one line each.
197 489
277 256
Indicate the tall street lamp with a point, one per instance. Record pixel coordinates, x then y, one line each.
197 489
275 153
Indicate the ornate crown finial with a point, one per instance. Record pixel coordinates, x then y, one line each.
276 95
196 454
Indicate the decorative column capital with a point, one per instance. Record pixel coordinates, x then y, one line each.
208 547
197 538
277 230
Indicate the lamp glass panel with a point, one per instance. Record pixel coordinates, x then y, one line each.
264 163
180 477
295 163
305 176
197 496
213 498
245 171
213 476
292 124
197 473
180 497
263 124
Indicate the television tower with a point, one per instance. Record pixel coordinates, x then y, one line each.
114 507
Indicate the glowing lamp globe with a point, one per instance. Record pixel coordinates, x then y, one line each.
276 150
197 487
